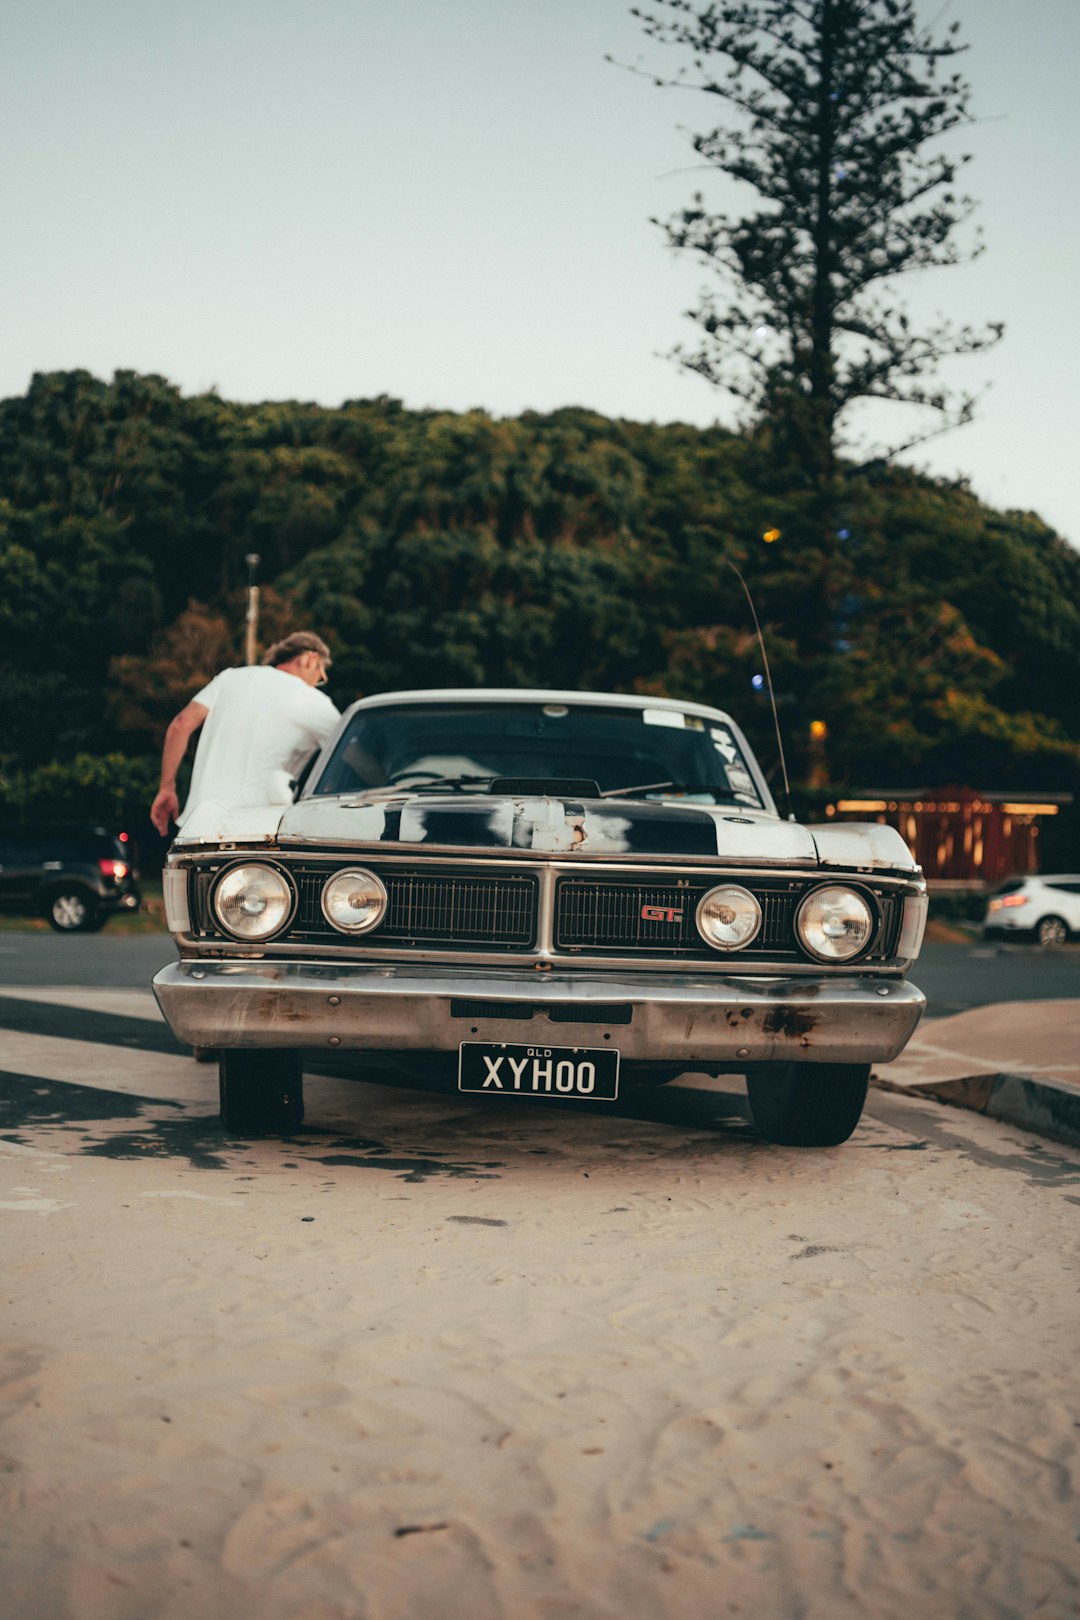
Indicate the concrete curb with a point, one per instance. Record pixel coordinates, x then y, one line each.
1040 1106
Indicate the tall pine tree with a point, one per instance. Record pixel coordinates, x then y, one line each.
833 105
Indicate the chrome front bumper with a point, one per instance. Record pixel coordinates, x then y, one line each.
691 1018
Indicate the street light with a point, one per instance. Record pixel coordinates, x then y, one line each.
251 641
818 775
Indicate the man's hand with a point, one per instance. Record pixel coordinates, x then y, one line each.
165 808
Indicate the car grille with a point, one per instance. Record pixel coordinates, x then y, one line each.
439 909
428 908
560 1012
608 916
450 909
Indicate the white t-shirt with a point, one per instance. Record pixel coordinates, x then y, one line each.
262 727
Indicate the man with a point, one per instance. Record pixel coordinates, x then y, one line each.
260 724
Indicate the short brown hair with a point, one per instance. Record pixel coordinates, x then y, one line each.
301 641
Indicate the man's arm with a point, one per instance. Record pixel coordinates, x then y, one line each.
166 807
324 723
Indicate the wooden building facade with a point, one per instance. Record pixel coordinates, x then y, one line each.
958 835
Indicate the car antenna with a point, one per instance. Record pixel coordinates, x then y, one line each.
768 679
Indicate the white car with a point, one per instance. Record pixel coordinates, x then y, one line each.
1045 908
551 895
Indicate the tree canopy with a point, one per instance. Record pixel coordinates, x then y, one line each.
558 549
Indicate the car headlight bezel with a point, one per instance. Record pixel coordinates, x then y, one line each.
378 887
738 895
816 950
286 894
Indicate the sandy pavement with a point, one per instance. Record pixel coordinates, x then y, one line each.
1040 1039
462 1357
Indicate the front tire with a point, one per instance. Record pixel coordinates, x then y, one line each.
807 1104
261 1093
72 911
1052 931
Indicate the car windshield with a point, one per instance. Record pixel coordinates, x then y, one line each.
462 747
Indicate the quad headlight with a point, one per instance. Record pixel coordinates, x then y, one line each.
354 901
728 918
253 901
835 923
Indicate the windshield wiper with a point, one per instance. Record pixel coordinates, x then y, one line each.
675 787
424 779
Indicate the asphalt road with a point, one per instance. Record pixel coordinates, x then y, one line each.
109 961
954 977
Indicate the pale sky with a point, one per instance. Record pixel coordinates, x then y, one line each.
448 201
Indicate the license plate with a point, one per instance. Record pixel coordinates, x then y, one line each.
587 1074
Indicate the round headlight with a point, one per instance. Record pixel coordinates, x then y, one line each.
354 901
728 918
835 923
253 901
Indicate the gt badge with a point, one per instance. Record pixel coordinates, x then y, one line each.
666 914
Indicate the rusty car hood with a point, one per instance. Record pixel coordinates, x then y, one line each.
866 846
596 828
548 825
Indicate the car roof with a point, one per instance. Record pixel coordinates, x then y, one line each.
523 694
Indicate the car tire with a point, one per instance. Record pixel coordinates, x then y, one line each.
73 911
1051 931
261 1093
807 1104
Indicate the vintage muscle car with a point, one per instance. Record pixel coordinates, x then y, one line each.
552 895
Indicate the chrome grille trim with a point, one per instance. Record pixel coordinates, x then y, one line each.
778 891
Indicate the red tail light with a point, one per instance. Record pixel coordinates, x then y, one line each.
114 869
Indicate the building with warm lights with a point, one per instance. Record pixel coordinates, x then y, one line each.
958 835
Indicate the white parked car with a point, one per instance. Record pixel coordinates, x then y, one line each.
1044 908
552 895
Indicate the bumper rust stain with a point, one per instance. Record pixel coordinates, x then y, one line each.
790 1022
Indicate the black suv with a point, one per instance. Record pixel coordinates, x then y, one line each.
74 877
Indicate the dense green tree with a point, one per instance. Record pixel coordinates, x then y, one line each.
561 549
